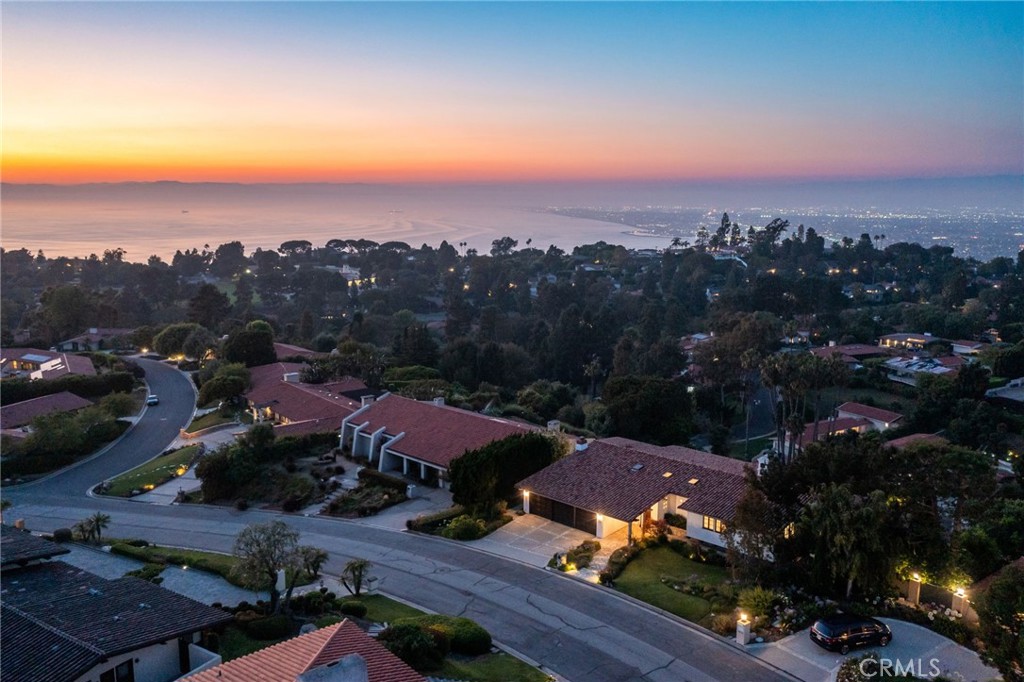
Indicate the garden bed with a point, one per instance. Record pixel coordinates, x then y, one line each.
153 473
210 420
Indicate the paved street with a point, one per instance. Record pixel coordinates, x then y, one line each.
580 631
154 431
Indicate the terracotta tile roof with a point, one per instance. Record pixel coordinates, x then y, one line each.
830 427
307 427
20 546
106 616
72 364
869 412
435 434
852 350
287 350
606 479
952 361
19 414
969 344
298 402
286 661
706 459
68 363
266 375
916 438
93 335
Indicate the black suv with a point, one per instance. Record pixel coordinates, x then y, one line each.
845 631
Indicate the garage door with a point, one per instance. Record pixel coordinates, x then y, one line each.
567 515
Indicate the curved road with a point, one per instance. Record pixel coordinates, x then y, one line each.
579 631
158 426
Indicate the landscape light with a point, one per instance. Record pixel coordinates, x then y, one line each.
961 592
915 576
743 618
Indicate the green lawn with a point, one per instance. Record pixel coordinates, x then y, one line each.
756 445
235 643
208 420
499 667
383 610
642 580
152 473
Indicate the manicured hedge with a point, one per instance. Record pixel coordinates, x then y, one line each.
368 475
17 390
466 636
431 522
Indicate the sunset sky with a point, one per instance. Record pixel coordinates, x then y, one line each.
255 92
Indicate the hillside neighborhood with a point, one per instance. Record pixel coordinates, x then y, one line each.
745 464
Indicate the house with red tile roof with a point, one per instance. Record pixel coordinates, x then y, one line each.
340 652
617 484
421 438
880 419
21 414
278 395
915 438
97 338
287 350
964 347
35 363
852 354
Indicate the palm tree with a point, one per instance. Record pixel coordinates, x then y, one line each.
98 522
83 530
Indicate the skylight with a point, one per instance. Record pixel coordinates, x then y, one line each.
693 481
667 474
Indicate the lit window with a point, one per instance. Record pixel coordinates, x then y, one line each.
789 531
713 524
693 481
667 474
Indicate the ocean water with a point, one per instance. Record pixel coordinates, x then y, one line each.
979 218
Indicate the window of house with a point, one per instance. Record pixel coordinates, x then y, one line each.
789 531
713 524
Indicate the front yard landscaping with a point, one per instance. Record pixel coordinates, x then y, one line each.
153 473
211 419
690 589
376 491
470 657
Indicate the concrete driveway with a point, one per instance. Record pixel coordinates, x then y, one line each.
533 540
911 645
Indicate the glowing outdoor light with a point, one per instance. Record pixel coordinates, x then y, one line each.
915 576
743 618
961 592
526 494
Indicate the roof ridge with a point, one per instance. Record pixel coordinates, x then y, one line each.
263 652
55 630
337 629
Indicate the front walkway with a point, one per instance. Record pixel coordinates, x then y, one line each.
168 492
534 540
911 645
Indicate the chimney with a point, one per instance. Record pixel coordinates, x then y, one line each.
581 444
554 425
439 402
291 377
831 344
366 400
94 330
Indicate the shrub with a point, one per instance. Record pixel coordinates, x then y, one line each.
352 607
466 636
430 522
241 504
136 542
63 535
291 504
582 556
150 572
617 563
723 624
272 627
412 644
368 475
328 621
465 527
676 520
757 600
